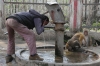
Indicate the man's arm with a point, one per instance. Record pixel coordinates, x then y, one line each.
38 26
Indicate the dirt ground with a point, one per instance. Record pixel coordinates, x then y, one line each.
3 47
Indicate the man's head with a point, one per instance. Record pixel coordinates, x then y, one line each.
45 20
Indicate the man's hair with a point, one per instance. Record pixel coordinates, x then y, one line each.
44 17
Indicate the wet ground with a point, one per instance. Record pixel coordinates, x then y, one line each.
19 44
22 44
3 61
2 58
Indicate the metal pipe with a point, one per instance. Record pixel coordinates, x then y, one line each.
59 42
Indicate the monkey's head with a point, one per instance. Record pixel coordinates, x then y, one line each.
76 45
85 31
73 45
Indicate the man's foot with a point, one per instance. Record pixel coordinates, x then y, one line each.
9 58
35 57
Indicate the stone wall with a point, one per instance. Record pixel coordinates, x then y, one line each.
46 35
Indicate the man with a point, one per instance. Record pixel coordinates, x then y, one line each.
22 23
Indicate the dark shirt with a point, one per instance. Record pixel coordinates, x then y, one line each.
30 20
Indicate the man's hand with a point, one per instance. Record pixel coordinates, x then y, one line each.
45 23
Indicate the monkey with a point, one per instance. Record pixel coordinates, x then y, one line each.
89 40
75 41
85 31
79 36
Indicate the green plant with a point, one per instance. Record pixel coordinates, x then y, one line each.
96 24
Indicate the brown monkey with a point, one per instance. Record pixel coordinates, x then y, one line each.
89 40
85 31
75 42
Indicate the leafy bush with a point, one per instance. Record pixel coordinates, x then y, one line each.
96 24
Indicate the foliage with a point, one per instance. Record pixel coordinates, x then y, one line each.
83 24
96 24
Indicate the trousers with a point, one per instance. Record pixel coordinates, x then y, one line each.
29 36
